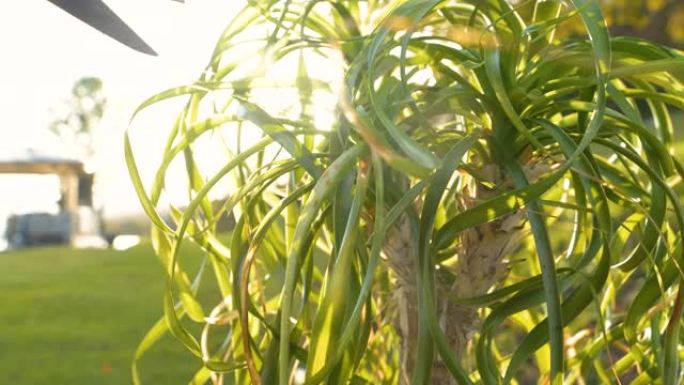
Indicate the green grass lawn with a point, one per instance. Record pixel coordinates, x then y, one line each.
75 317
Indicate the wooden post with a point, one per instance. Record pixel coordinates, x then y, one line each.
69 183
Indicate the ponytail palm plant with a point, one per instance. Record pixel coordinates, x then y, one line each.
425 192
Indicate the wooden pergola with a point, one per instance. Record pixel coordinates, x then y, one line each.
67 170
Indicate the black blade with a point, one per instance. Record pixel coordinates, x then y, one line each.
99 16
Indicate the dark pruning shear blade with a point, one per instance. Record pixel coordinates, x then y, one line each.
99 16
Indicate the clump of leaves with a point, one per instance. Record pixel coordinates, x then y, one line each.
479 203
76 124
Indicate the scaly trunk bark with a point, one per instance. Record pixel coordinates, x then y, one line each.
480 266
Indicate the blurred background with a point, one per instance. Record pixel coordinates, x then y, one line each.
76 297
79 285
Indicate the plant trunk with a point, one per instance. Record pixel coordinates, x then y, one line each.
480 265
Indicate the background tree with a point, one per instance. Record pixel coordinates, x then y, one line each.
660 21
78 117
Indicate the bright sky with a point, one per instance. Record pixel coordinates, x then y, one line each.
44 50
